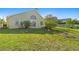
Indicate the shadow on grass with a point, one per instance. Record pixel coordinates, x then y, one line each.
28 31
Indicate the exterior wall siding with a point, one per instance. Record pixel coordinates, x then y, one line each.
11 20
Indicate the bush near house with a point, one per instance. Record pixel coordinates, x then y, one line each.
25 24
50 22
3 24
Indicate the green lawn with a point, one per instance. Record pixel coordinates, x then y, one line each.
59 39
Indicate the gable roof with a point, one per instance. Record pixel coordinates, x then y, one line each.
26 13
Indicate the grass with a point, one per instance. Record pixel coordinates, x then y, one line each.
60 39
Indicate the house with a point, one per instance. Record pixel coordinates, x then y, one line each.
33 16
1 26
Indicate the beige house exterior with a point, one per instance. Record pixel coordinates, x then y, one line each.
33 16
1 25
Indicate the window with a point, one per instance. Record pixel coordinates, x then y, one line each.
33 17
41 23
33 24
16 23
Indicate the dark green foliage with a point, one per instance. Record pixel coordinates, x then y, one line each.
76 21
5 26
60 22
50 22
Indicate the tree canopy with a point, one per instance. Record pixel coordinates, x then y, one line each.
50 21
70 23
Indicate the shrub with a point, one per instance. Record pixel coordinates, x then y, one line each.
70 23
4 25
25 24
49 24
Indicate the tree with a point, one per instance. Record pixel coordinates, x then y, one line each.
25 24
1 21
50 22
76 21
60 22
70 23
